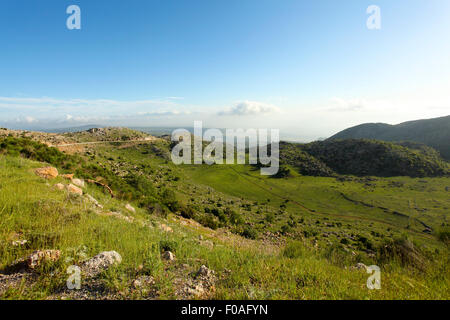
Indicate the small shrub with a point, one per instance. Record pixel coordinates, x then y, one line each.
168 245
169 199
270 217
286 229
209 222
236 218
444 235
187 212
249 233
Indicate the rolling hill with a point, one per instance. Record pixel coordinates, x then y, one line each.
432 132
363 157
212 231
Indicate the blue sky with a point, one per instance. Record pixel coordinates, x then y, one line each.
310 68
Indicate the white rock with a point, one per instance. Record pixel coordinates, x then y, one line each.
204 271
166 228
93 200
196 290
360 265
208 243
78 182
59 186
100 262
18 243
75 190
168 256
143 281
130 208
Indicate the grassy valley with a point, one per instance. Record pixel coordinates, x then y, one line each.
301 235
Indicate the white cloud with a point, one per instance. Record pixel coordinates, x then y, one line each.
83 110
99 105
164 113
339 104
312 119
246 108
29 119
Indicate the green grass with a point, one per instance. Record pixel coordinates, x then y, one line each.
306 267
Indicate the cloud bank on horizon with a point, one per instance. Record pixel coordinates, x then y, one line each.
304 123
250 108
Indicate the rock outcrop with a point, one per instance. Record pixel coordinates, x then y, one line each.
74 190
32 261
47 172
100 263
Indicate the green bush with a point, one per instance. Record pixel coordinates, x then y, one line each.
236 218
286 229
249 233
169 199
443 235
168 245
270 217
209 221
30 149
187 212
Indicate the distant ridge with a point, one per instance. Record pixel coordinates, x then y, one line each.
74 129
432 132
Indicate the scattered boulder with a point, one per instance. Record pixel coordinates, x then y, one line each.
60 186
360 266
78 182
47 172
100 262
18 243
166 228
118 215
68 176
195 290
204 271
130 208
34 260
169 256
200 286
143 281
208 244
37 257
93 200
74 190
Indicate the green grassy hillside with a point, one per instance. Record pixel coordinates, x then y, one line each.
363 157
377 158
432 132
297 237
